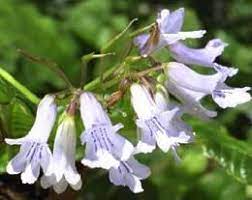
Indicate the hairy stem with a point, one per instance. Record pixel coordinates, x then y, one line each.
111 42
141 30
51 65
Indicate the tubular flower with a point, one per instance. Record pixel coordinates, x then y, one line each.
197 86
105 148
191 101
63 170
129 173
204 56
157 124
34 151
167 31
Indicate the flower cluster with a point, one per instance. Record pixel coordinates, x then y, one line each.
159 121
184 83
105 148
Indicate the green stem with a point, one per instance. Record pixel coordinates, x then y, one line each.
27 93
92 85
117 37
137 32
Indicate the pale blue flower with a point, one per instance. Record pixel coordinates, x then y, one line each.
34 151
129 173
203 57
62 169
158 124
105 148
166 32
186 82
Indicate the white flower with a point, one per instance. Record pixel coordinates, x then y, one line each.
62 169
157 123
197 86
166 32
129 173
34 151
104 147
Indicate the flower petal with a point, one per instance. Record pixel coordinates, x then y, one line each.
47 181
45 119
185 77
147 141
60 186
92 111
122 147
133 183
141 99
77 186
31 173
171 38
104 160
18 163
161 101
171 22
71 175
140 170
115 176
204 56
226 96
163 141
141 41
190 101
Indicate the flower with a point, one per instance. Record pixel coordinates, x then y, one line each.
167 31
34 151
62 169
105 148
157 123
190 100
129 173
204 56
190 83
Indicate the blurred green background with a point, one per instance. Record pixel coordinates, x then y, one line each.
218 166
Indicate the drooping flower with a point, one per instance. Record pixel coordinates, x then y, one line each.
129 173
63 169
190 101
204 56
105 148
158 124
197 86
34 151
167 31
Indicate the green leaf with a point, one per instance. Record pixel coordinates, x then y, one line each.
21 118
6 92
233 155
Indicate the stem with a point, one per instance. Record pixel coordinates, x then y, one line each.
27 93
137 32
92 85
82 73
50 64
87 58
111 42
147 71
